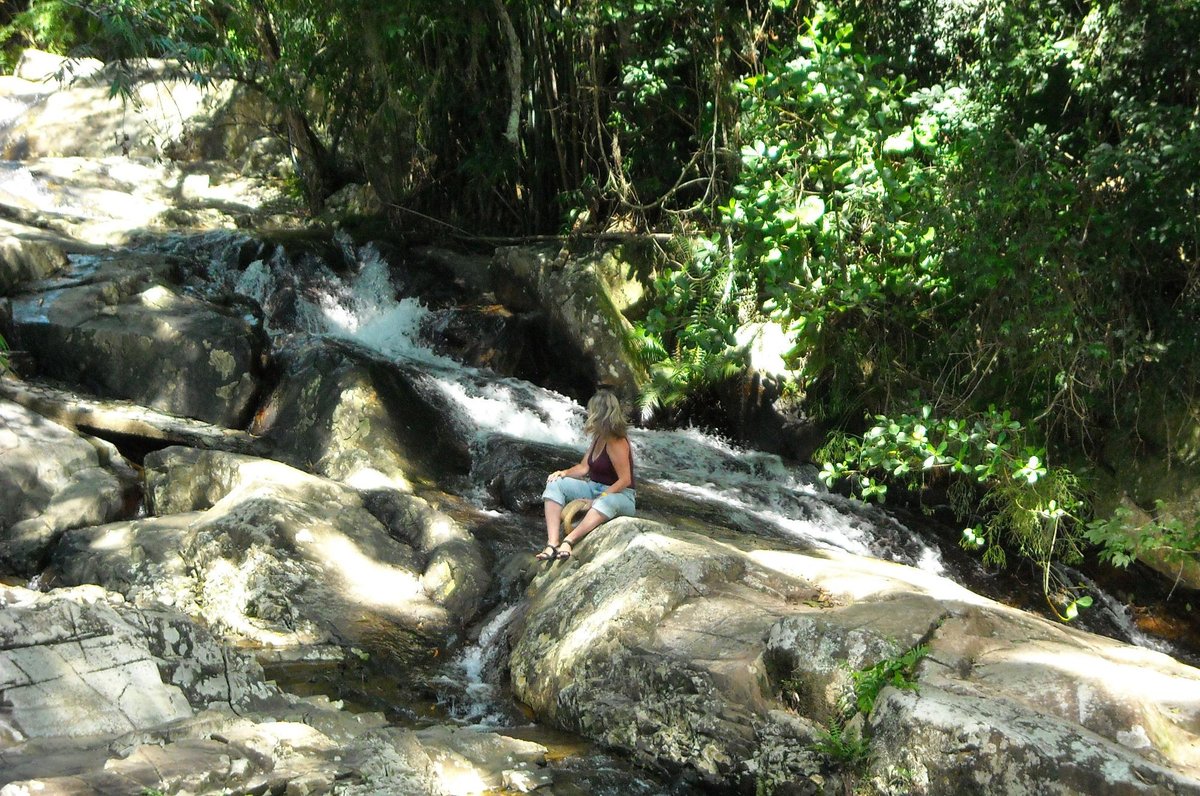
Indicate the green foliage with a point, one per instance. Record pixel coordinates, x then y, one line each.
898 672
1122 540
1027 506
981 204
820 230
844 747
997 210
3 356
57 26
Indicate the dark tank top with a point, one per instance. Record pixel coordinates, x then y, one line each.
601 470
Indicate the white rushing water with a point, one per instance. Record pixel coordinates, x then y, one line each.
756 487
473 694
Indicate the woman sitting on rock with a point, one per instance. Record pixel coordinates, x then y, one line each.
604 476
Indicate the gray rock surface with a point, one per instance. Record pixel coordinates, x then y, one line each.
71 111
337 413
584 298
105 698
271 555
117 329
24 259
81 662
679 648
52 479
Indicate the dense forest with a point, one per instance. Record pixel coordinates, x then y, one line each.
977 224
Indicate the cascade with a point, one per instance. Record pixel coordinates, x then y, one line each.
757 491
756 487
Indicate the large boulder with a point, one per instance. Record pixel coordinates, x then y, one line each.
105 698
585 300
52 480
28 259
116 324
729 659
273 556
344 415
73 111
1080 714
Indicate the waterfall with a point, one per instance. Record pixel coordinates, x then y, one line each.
756 488
472 695
756 491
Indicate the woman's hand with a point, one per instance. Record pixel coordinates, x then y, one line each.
557 474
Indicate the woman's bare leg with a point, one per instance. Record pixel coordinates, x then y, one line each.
553 522
588 524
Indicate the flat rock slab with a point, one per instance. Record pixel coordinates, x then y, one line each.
80 663
728 658
74 410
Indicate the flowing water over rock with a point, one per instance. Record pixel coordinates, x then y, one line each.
354 299
753 491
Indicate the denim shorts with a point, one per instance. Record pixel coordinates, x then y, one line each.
563 490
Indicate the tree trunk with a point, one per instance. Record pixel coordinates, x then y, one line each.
312 160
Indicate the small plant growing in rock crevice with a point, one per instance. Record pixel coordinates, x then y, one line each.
899 672
845 746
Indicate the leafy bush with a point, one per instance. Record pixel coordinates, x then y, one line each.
1027 506
58 26
821 231
1122 540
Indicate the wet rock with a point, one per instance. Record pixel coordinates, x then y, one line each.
492 337
514 471
109 330
680 648
267 554
23 260
583 299
344 415
52 480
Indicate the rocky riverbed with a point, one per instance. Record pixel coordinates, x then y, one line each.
246 460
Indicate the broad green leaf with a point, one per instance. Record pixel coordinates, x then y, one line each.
810 210
900 143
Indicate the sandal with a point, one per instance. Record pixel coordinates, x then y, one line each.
549 553
563 555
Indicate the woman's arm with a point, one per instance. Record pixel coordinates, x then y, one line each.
618 452
574 471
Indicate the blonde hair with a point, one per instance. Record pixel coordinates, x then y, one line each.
604 416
